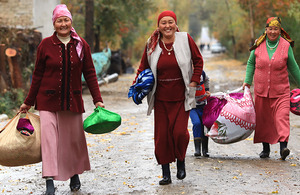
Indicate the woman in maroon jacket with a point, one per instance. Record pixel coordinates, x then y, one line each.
56 91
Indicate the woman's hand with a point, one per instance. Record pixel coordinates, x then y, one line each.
207 94
99 104
246 84
193 84
24 108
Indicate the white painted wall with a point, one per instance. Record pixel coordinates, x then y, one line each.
42 16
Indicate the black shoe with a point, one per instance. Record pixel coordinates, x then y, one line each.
264 154
197 154
166 175
205 146
181 174
284 153
197 143
181 169
50 193
165 181
205 153
50 190
75 183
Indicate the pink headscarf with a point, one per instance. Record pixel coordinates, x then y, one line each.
62 10
155 36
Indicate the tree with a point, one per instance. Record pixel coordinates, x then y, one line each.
226 21
248 5
89 23
259 11
114 19
292 25
231 28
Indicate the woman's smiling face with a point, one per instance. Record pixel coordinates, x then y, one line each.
273 32
167 27
63 25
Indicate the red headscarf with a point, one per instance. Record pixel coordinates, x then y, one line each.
166 13
273 21
62 10
155 36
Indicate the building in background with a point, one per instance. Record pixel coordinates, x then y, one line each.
24 14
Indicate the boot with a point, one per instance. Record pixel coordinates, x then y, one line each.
181 169
205 146
166 175
197 143
50 190
75 183
284 151
266 150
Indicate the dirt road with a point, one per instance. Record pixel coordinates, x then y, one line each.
123 161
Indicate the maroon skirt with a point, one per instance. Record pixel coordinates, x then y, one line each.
171 135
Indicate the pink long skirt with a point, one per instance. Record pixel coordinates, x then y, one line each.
272 119
64 148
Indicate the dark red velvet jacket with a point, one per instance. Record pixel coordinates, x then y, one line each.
56 81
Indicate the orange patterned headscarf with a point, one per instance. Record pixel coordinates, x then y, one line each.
273 21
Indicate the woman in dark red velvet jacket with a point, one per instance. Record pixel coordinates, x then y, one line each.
56 91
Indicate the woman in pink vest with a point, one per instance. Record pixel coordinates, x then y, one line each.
270 60
176 64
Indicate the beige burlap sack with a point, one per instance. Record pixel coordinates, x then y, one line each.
17 149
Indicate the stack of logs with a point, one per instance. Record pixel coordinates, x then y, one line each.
14 69
11 58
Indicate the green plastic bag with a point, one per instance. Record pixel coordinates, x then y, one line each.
101 121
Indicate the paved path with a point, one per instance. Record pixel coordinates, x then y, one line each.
123 161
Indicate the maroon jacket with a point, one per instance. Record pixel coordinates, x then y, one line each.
56 82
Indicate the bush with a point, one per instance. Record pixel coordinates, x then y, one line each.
10 101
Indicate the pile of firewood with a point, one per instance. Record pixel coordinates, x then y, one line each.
17 53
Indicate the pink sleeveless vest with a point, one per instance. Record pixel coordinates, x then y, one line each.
271 76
